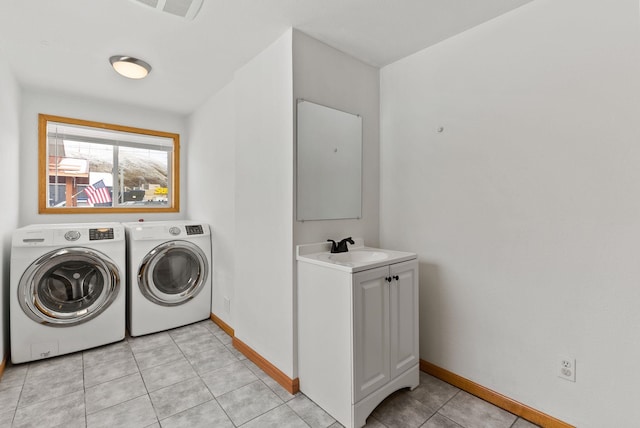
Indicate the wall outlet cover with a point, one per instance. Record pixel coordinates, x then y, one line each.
567 368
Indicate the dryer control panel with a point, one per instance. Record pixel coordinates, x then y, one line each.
194 229
100 234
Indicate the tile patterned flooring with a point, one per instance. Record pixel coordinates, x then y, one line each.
193 377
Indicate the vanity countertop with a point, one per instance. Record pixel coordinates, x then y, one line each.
358 258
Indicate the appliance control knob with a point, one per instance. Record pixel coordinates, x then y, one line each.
174 231
72 235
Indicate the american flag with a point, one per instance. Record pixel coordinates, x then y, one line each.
98 193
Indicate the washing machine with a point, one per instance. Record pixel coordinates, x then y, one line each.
67 289
168 275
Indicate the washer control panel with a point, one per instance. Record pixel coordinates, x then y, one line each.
174 230
100 234
194 229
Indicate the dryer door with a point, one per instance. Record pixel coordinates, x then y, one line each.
173 273
68 286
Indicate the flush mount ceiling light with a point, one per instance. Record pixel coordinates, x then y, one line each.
130 67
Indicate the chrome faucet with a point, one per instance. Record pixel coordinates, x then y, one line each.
340 247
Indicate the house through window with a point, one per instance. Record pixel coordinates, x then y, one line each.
97 167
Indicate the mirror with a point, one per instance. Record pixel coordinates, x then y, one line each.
329 164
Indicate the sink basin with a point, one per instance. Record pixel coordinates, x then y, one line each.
357 259
359 256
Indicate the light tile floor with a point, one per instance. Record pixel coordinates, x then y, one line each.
193 377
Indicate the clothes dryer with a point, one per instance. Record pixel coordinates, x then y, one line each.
169 275
67 289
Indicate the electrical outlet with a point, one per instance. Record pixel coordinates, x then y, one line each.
227 305
567 368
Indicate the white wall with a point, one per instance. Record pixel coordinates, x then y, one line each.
211 189
525 210
35 101
241 159
326 76
264 204
9 215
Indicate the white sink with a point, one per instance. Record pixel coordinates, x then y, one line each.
358 256
357 259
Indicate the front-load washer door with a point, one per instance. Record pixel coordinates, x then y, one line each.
173 273
68 286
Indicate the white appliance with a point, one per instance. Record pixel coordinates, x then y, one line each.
67 289
169 275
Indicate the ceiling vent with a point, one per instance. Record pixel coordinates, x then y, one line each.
187 9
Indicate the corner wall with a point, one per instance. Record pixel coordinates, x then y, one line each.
211 189
242 159
9 165
525 209
264 205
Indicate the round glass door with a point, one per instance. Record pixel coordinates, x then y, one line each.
173 273
68 286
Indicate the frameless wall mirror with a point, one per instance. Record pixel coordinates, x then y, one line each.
95 167
329 164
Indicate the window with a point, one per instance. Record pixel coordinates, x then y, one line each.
93 167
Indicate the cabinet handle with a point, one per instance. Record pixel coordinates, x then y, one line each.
396 277
388 279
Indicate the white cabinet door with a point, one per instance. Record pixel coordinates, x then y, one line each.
403 308
370 331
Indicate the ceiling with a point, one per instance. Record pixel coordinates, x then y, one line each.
66 44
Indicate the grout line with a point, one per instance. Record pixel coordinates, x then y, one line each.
447 402
135 360
21 391
384 425
84 392
299 415
222 408
449 419
199 377
437 412
213 397
257 416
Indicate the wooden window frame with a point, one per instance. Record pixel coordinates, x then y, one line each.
43 169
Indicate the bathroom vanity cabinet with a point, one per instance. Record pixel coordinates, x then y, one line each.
357 333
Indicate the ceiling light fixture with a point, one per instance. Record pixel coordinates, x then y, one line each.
130 67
